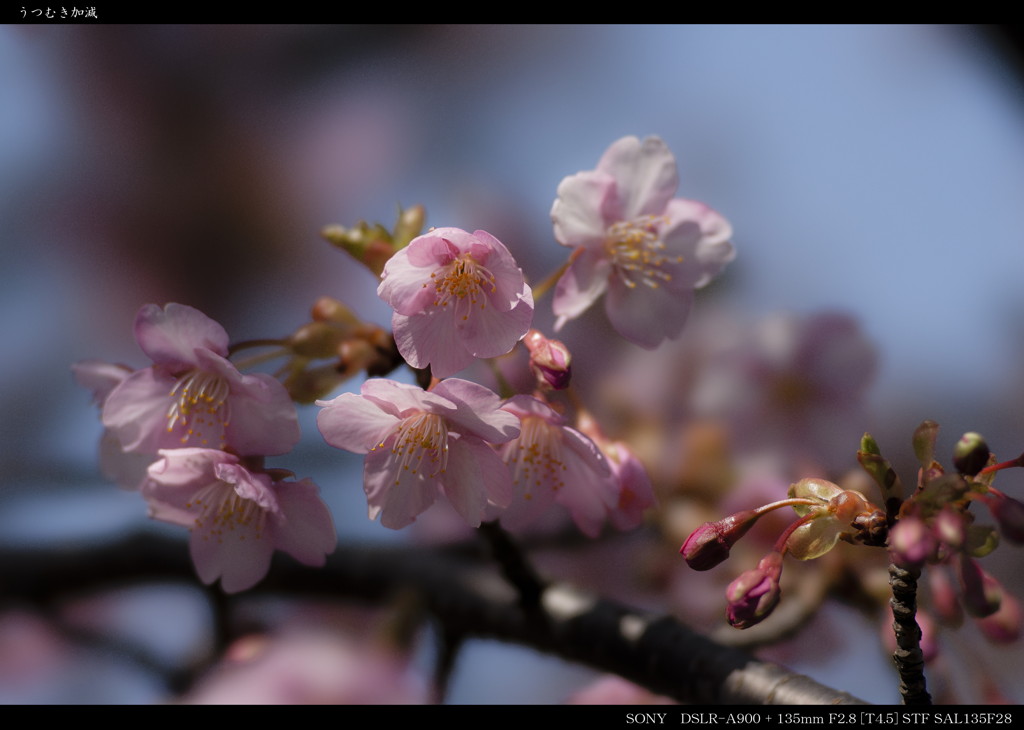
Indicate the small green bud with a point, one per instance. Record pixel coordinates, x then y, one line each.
924 442
868 444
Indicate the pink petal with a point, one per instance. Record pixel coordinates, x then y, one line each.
401 399
431 339
263 417
136 411
353 423
644 315
240 557
169 335
478 411
491 333
475 476
99 377
645 173
510 287
701 236
304 528
404 285
173 481
397 495
581 285
584 209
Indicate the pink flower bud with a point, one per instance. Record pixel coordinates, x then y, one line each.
982 593
950 528
945 605
755 593
1003 626
1009 513
911 542
550 361
709 544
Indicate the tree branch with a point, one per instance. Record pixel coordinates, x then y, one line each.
908 656
657 652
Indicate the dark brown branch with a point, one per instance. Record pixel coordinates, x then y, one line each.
908 656
657 652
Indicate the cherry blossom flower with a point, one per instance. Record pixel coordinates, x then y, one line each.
551 462
126 469
420 444
636 243
457 296
192 395
633 485
238 516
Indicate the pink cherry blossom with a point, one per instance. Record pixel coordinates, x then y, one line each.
126 469
238 516
457 296
192 395
551 462
420 444
636 243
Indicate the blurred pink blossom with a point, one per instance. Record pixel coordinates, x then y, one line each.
457 296
309 667
636 243
238 516
192 395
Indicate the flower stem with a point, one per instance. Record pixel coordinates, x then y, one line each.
542 288
908 656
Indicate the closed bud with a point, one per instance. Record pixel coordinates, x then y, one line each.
316 340
868 445
550 361
328 309
310 385
950 528
982 593
1003 626
945 605
370 245
911 542
755 593
1009 514
709 544
970 455
409 225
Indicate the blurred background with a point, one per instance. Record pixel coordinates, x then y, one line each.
876 171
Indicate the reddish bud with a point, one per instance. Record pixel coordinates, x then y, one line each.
982 593
1009 513
911 542
755 593
945 605
1003 626
709 544
550 361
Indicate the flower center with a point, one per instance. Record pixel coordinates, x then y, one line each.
222 510
536 456
199 402
420 446
464 284
638 252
